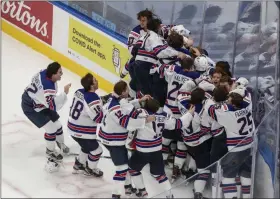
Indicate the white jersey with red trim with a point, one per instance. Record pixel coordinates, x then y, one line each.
134 35
118 120
238 123
85 113
149 139
152 48
42 91
175 77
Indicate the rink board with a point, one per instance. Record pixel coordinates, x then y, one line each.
65 38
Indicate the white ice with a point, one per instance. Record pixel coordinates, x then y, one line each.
23 145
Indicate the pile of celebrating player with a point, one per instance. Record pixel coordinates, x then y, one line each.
180 109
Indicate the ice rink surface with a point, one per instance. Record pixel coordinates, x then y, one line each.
23 145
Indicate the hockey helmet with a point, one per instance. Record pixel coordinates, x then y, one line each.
181 30
201 63
242 82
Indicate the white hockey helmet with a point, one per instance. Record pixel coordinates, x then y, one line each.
181 30
201 63
240 91
242 82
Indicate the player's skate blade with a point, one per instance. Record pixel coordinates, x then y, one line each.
93 172
78 167
53 155
129 190
142 193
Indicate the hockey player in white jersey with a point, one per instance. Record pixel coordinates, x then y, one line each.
152 48
40 104
114 131
85 113
236 117
176 76
149 145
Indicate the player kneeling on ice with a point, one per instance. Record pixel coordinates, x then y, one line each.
40 105
85 113
114 131
149 146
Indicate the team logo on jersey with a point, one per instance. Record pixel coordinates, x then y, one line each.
116 59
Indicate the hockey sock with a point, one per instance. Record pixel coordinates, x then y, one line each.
119 179
50 135
181 154
93 157
238 186
82 157
165 148
137 179
59 135
164 182
229 187
246 187
216 194
127 179
200 182
192 164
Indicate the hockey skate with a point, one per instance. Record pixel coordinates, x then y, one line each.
93 172
78 167
114 196
175 174
52 165
129 190
198 195
142 193
65 149
53 155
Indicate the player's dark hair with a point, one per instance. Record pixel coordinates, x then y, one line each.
152 105
224 65
120 87
145 13
220 94
52 69
218 70
226 78
175 40
197 96
154 24
87 81
236 100
187 63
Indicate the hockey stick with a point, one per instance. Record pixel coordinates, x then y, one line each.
103 156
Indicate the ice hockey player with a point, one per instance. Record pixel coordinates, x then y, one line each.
236 117
148 147
40 105
138 31
152 48
114 130
198 139
85 113
175 76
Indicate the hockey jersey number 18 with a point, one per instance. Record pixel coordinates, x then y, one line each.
85 113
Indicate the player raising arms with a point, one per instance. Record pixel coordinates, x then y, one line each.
40 105
85 114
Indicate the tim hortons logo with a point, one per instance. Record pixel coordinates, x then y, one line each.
33 17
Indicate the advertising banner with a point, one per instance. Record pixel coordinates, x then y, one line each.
35 17
96 47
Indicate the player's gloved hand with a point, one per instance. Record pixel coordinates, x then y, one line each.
122 75
66 88
150 118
